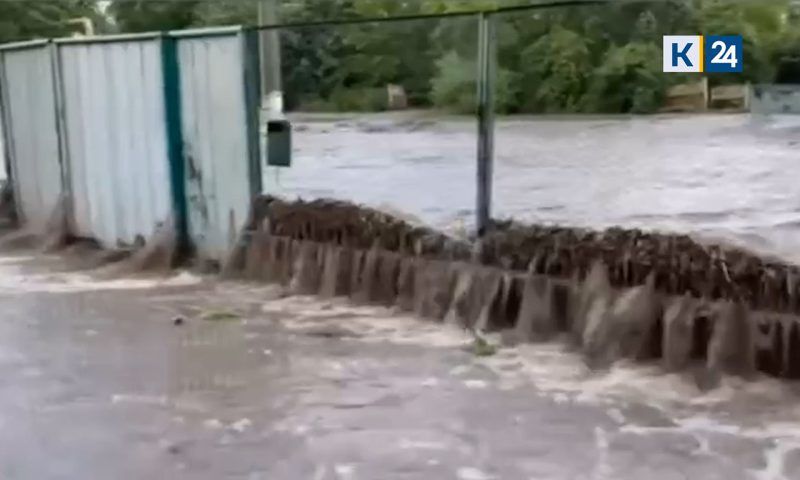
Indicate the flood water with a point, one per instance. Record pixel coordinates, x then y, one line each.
99 382
726 176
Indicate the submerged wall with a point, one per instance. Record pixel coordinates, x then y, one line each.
613 294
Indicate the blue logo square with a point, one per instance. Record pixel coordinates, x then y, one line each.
723 53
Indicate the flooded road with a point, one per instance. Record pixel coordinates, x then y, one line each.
728 176
99 382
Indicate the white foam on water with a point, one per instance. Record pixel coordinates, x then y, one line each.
476 384
559 373
212 424
14 281
372 324
408 444
602 468
139 399
783 438
345 470
241 425
552 367
776 461
470 473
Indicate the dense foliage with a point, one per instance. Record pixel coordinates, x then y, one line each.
25 20
578 59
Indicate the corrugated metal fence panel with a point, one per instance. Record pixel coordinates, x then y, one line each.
116 140
31 130
214 116
2 148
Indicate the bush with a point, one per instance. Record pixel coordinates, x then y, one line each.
455 86
629 80
359 100
554 70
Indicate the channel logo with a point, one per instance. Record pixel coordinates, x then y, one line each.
698 53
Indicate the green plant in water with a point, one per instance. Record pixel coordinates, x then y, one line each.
482 348
220 315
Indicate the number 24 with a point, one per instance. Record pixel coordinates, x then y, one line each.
724 55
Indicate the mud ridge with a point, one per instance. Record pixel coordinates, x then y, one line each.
614 294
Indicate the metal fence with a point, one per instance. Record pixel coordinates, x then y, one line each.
135 131
115 131
3 165
367 125
31 131
219 114
182 142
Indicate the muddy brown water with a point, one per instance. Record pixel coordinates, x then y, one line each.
732 177
98 382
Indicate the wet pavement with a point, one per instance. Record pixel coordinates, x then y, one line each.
729 176
99 382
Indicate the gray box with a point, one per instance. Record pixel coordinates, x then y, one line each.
279 143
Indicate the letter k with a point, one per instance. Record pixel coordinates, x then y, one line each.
676 54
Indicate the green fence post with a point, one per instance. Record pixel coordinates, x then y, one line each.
174 132
252 94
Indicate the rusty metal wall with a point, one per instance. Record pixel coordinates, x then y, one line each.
113 111
30 128
219 118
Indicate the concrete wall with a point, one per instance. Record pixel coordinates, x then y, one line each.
687 97
731 97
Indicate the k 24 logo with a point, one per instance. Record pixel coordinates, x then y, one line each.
698 53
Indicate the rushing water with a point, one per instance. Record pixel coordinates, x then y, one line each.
99 382
726 176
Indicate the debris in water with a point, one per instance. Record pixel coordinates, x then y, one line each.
178 321
220 315
482 348
330 331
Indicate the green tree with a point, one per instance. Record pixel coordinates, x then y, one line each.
149 16
27 20
455 86
554 71
629 80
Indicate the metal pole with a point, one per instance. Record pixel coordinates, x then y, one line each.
486 77
270 51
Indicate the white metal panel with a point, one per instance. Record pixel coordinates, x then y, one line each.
31 130
2 149
116 138
214 118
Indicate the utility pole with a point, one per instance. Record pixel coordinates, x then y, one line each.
270 46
